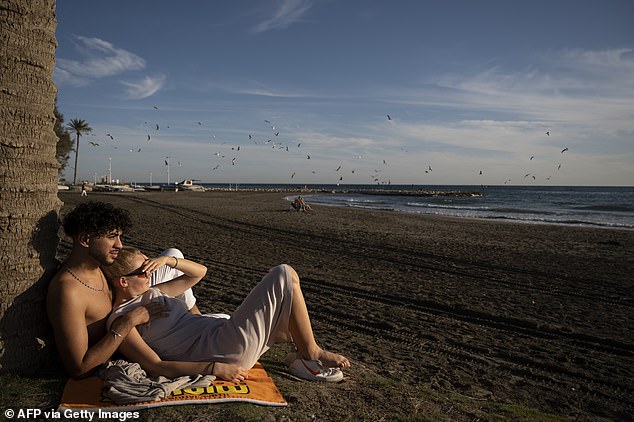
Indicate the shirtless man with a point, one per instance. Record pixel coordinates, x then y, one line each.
79 300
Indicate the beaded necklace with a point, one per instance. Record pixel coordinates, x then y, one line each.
90 287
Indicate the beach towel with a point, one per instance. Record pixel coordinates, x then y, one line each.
86 394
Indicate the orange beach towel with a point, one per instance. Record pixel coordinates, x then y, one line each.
259 389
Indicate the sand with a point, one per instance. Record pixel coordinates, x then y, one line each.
536 315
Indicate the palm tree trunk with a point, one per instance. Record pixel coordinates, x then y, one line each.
28 180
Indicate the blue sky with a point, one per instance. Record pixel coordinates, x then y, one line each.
247 91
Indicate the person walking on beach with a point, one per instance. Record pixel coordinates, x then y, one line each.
83 189
79 299
226 346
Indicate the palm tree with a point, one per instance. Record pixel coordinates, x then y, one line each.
80 127
29 205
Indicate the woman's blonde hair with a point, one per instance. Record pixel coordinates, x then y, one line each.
122 265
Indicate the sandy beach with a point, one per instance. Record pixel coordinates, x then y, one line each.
535 315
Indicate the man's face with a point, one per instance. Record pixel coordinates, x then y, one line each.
105 249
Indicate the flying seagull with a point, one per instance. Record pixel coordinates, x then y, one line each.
564 150
388 117
548 133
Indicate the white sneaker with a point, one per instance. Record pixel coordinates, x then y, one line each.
313 370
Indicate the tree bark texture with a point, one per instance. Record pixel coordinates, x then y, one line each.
29 205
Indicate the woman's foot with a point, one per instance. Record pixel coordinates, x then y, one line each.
327 359
333 360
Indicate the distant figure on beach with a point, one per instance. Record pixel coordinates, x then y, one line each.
83 189
226 346
300 205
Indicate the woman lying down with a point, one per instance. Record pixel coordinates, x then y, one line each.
182 343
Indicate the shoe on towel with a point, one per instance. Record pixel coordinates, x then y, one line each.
313 370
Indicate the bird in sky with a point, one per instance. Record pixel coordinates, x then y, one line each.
548 133
338 168
293 175
94 144
157 126
388 117
564 150
155 107
308 157
148 138
110 136
532 156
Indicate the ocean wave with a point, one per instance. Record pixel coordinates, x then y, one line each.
522 211
449 207
367 207
607 207
363 201
565 222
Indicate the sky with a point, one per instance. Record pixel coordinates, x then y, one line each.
438 92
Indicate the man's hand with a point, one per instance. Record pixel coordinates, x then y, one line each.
147 313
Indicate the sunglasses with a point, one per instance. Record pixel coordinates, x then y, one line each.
138 273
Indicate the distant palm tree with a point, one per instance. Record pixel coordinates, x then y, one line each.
79 127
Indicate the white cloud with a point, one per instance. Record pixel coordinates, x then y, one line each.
288 12
100 59
144 88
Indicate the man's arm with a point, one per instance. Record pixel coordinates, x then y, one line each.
67 313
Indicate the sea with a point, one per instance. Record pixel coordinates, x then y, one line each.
604 207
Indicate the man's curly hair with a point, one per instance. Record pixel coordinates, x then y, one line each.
96 219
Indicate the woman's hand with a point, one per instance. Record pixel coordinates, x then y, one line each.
152 264
229 372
